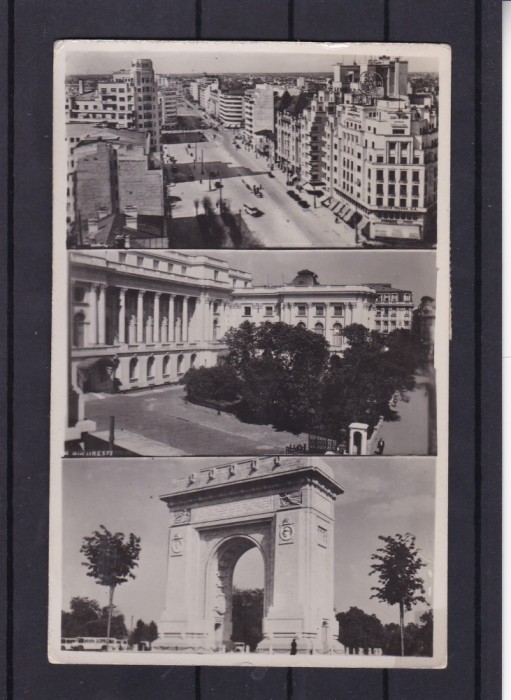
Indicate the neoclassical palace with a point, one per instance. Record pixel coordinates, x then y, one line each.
143 318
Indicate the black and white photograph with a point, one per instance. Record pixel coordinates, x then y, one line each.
233 353
250 352
253 561
251 145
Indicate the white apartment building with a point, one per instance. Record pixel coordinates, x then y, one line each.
143 318
231 107
259 111
380 166
111 102
168 99
129 100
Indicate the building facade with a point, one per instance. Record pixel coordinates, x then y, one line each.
168 98
129 101
143 318
231 107
259 111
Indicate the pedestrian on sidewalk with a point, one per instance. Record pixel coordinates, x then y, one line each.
381 446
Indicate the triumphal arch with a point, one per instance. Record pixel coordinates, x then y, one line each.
284 507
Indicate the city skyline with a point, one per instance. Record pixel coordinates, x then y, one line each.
213 57
383 496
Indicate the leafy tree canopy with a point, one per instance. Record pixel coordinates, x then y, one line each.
110 559
397 565
87 618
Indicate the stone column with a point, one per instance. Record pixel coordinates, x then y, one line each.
172 322
122 315
156 316
101 314
184 333
328 326
93 305
205 318
223 324
140 317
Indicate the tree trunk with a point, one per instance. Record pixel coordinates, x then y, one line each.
110 610
402 627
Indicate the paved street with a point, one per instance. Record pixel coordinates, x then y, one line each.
409 435
284 223
164 415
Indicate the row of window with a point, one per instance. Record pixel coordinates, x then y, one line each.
301 310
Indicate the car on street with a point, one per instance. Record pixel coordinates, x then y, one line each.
253 211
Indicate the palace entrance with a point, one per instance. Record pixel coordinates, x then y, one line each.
284 509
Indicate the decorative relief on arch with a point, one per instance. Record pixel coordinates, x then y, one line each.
293 498
176 545
182 517
286 532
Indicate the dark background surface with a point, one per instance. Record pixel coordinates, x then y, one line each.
473 29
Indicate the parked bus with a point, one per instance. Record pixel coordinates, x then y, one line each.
94 644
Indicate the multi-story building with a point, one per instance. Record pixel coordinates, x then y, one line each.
141 318
394 308
380 154
288 146
380 166
231 107
129 100
146 99
83 139
112 102
168 98
259 111
109 170
311 130
150 315
304 302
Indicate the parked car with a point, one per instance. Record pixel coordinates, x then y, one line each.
293 194
303 203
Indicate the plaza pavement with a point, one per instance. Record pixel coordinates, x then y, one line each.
163 415
284 223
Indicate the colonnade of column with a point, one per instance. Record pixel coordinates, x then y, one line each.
173 318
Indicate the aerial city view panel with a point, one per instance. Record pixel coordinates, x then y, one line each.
344 155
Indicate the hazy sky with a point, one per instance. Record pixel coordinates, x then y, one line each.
383 496
214 58
414 271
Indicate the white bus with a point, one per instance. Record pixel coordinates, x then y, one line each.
94 644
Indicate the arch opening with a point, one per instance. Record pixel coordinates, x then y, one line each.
237 606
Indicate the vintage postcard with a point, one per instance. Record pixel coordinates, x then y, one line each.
251 323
